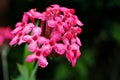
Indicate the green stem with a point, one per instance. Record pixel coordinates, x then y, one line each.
4 62
34 72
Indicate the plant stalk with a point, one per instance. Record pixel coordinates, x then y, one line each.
4 53
32 77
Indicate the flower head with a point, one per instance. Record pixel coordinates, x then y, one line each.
56 30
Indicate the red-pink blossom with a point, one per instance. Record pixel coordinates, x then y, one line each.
5 34
56 29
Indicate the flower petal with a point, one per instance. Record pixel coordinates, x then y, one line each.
42 61
27 38
28 28
60 48
69 55
79 23
46 50
74 46
36 31
66 41
32 46
31 58
51 23
42 40
55 36
14 41
73 62
39 16
60 28
78 41
25 18
16 30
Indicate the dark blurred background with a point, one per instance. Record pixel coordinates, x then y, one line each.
100 59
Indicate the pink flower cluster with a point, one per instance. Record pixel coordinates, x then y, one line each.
5 34
57 31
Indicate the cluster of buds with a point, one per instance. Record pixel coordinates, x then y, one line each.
5 34
49 32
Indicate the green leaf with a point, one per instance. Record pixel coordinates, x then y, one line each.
23 71
18 78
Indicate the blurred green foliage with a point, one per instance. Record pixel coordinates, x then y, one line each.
23 71
115 32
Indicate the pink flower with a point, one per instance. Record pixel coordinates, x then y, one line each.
60 48
20 31
32 40
32 14
42 61
57 31
73 49
5 34
46 50
73 53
